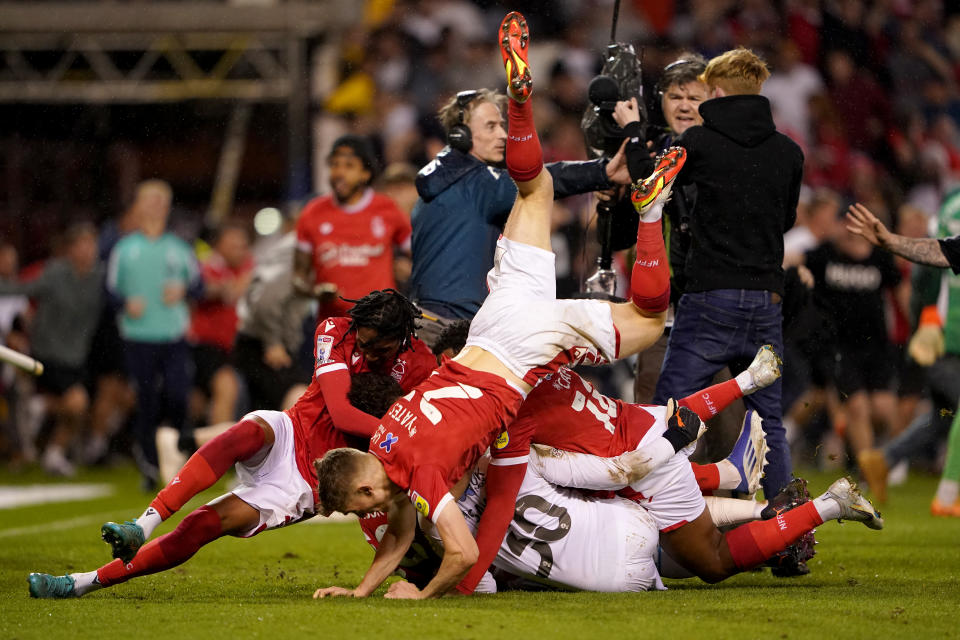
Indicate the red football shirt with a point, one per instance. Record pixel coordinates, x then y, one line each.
566 412
352 247
335 350
214 321
434 434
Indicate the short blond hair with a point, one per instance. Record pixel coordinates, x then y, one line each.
449 113
738 71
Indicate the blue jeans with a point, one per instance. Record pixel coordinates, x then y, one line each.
726 327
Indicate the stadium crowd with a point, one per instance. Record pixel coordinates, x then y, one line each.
147 338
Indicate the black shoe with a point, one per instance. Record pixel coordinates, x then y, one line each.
792 561
792 495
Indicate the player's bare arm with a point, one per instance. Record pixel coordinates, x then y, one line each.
459 555
862 222
401 526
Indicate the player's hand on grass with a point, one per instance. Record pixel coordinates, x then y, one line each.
334 592
403 590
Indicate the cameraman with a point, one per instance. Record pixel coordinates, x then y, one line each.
465 198
680 92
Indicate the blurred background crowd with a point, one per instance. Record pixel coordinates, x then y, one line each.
869 90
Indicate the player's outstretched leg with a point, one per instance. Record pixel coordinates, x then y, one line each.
751 544
650 276
529 220
225 516
240 442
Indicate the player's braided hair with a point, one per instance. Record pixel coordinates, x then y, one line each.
389 312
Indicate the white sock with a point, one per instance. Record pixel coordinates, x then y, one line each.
654 213
731 511
149 521
729 476
828 508
947 491
745 381
84 583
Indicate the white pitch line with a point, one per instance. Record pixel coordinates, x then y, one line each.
58 525
31 494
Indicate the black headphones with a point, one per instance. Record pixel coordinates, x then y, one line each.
459 136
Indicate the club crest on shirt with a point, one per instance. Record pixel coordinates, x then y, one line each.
326 228
399 368
377 227
324 349
502 440
420 504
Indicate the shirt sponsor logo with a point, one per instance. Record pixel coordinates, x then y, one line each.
324 349
420 504
345 255
388 442
502 440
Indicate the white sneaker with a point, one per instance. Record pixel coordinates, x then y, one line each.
169 457
765 367
853 506
56 464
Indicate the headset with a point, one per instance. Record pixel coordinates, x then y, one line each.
459 136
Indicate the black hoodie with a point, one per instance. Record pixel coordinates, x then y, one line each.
748 182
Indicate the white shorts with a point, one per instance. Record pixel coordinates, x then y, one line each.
274 486
642 539
523 324
670 492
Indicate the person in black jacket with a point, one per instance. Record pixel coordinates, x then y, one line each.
747 177
465 197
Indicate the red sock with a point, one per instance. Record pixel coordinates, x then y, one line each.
194 531
708 402
752 543
707 475
524 155
208 464
650 279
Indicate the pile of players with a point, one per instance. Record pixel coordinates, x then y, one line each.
512 469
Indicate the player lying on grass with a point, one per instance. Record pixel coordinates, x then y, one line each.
432 436
561 537
273 451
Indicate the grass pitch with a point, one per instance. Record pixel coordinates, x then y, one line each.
903 581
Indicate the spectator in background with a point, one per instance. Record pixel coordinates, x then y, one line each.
68 294
347 238
398 183
791 86
852 278
151 272
270 333
936 344
464 202
747 177
213 324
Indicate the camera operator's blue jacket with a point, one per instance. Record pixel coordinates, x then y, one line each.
463 206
